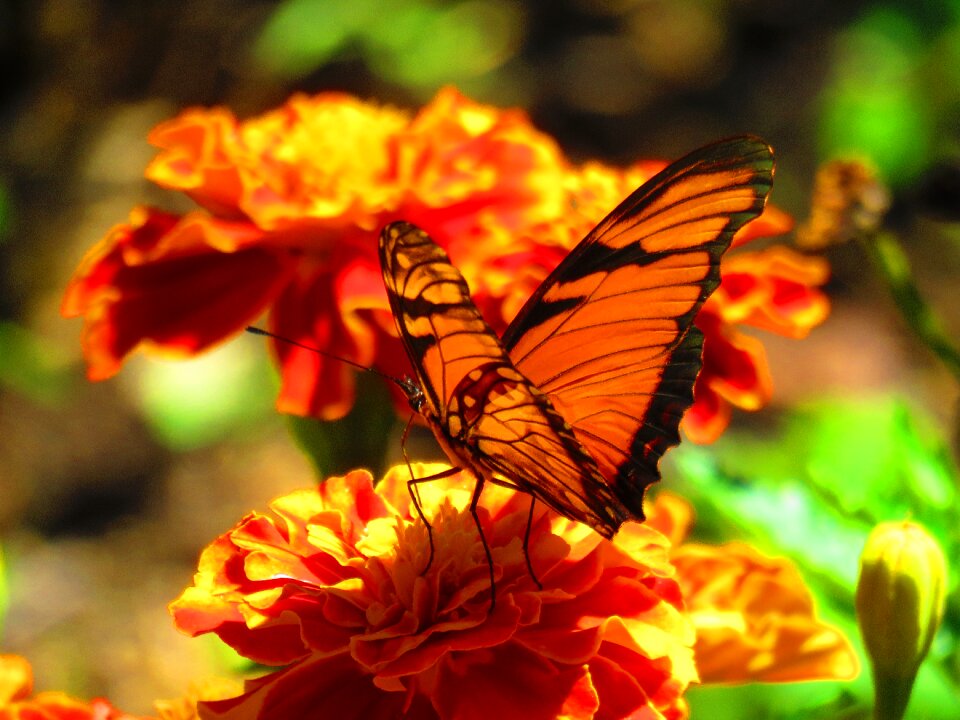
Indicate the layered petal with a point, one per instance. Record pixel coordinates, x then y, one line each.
176 284
338 585
327 160
755 619
464 165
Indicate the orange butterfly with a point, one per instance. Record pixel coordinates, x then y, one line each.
583 394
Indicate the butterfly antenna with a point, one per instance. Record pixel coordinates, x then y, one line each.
403 383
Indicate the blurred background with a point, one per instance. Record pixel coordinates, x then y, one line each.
108 491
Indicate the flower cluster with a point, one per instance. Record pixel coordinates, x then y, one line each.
330 586
289 207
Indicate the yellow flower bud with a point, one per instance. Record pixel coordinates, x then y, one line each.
900 598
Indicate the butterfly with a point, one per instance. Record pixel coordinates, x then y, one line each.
583 394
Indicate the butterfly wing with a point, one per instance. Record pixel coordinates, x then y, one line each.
609 335
486 415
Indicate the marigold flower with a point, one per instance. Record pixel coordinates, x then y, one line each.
754 616
900 602
291 203
330 586
16 703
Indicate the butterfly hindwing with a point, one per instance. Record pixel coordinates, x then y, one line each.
609 335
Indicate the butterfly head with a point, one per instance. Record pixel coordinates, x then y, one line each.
413 392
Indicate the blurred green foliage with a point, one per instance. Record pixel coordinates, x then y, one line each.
4 594
812 491
226 392
414 43
885 69
32 365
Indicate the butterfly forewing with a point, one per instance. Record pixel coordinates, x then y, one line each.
487 416
608 336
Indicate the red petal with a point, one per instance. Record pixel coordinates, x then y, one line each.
310 311
317 690
166 281
509 683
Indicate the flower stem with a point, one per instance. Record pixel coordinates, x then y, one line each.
891 262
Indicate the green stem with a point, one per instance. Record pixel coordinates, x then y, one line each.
892 694
892 264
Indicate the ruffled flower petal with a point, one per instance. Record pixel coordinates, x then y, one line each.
327 160
754 616
176 284
775 289
338 579
755 619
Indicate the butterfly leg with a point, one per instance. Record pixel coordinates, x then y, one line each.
415 492
477 490
526 544
415 497
526 534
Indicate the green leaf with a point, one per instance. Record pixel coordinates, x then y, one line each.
357 441
4 592
303 35
874 104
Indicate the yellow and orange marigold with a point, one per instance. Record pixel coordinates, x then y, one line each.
290 206
329 586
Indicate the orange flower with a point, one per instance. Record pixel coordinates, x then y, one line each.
291 204
16 703
754 616
330 586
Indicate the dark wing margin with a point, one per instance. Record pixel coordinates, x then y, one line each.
609 335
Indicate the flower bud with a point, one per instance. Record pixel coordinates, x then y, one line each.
849 199
900 599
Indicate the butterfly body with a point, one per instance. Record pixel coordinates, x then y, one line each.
583 394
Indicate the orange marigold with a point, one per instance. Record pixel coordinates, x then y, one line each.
17 701
291 203
330 586
754 616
